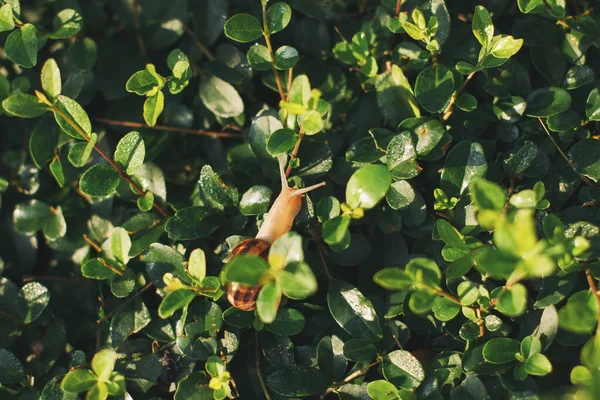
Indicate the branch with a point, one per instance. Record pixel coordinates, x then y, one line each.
350 377
200 132
122 173
267 36
119 308
594 289
294 152
263 385
562 153
198 43
448 111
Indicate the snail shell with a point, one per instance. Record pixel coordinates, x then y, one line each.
244 296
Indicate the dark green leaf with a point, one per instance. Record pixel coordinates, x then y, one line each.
548 101
402 369
24 106
278 17
66 23
99 181
21 46
465 163
243 28
434 87
500 350
220 97
174 301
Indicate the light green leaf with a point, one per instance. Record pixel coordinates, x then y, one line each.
51 81
130 152
153 107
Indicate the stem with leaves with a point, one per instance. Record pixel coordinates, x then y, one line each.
448 111
110 161
267 37
350 377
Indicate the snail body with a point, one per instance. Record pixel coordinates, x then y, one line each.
277 222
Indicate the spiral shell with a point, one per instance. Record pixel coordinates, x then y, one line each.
241 296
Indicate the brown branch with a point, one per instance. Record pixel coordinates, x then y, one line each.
198 43
92 243
261 380
63 279
562 153
398 6
267 37
289 82
594 289
129 300
200 132
350 377
448 111
121 173
294 152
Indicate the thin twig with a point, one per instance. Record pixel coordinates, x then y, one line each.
294 152
562 153
448 111
121 173
92 243
594 289
136 24
289 83
350 377
398 6
320 249
267 36
198 43
200 132
11 317
63 279
263 385
116 310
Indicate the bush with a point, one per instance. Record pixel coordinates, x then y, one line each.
452 253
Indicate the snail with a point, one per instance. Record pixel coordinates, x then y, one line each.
277 221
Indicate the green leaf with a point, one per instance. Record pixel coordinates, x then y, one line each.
547 101
509 109
78 380
7 23
450 235
445 309
353 311
393 279
592 107
174 301
359 350
24 106
100 180
34 298
194 387
72 118
31 216
131 319
401 157
335 230
66 23
382 390
434 88
103 364
402 369
424 271
312 122
538 365
51 81
197 265
530 345
153 107
286 57
288 322
506 47
500 350
143 82
464 164
483 27
267 302
145 202
527 6
215 192
243 28
395 96
220 97
193 222
330 357
256 200
281 141
584 157
297 281
98 268
367 186
258 57
120 244
278 16
21 46
487 195
130 152
466 102
579 314
80 153
400 195
57 171
246 269
512 301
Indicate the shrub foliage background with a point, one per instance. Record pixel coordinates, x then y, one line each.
453 252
